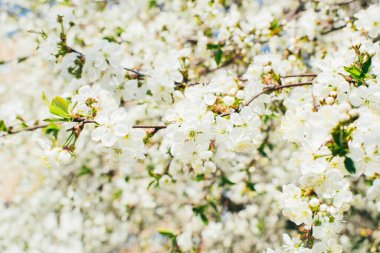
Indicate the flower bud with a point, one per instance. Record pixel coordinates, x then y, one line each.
330 100
165 179
344 117
354 113
267 69
228 100
210 167
314 202
333 94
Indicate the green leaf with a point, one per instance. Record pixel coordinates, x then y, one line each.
336 134
200 211
349 164
152 4
61 103
200 177
85 171
225 181
340 138
152 173
204 218
367 64
167 233
117 194
119 31
58 111
218 56
212 46
60 107
251 186
149 93
52 129
3 127
354 72
261 149
45 99
213 205
110 39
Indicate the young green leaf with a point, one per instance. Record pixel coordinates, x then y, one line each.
354 72
167 233
52 129
152 4
367 64
3 127
85 171
60 107
58 111
61 103
45 99
201 212
218 56
349 164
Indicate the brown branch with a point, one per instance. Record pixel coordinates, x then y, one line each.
27 129
83 57
333 29
10 130
139 74
300 75
149 127
294 14
223 65
309 237
158 127
345 3
269 90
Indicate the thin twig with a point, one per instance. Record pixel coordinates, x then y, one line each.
269 90
346 3
300 75
158 127
300 8
333 29
139 74
149 127
29 129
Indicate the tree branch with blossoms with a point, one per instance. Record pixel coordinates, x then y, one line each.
181 126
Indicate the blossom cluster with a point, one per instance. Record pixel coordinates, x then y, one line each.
190 126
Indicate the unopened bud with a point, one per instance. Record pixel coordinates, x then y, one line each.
314 202
267 69
330 100
333 94
343 117
228 100
354 113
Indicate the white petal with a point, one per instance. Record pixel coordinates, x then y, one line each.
98 133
